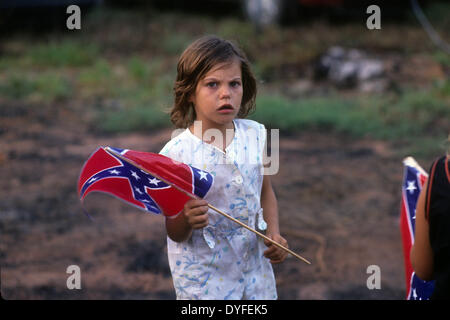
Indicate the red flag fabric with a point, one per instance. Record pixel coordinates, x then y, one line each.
414 178
149 181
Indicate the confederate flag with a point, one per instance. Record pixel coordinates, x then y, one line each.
149 181
413 179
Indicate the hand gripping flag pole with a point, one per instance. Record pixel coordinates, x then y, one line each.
259 234
120 156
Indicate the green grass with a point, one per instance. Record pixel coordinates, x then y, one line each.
138 117
418 120
44 71
142 94
175 43
46 87
443 58
97 80
130 87
324 114
62 54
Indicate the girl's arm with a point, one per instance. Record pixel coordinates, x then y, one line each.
270 213
421 253
193 216
270 206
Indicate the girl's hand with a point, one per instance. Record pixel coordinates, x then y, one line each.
275 254
195 213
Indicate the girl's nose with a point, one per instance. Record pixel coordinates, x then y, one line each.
224 92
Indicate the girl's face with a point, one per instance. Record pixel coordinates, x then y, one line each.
218 96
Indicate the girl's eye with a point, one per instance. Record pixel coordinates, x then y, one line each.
211 84
235 84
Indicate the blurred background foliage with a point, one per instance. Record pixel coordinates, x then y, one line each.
121 66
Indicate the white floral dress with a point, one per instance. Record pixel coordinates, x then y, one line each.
224 260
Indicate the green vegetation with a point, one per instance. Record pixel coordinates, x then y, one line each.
416 118
46 87
68 53
129 86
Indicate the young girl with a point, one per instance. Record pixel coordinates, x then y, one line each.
211 257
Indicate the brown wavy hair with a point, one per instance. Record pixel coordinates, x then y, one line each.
194 63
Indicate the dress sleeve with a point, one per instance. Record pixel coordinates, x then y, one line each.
173 149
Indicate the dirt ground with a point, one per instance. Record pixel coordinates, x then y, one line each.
338 199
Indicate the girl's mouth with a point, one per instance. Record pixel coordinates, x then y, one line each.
226 108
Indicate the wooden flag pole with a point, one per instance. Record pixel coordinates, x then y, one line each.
109 150
259 234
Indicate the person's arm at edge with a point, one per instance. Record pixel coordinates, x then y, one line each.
421 255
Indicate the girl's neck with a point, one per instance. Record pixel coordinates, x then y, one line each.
210 134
